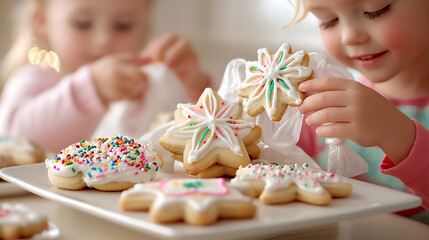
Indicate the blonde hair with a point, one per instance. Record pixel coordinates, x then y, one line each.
24 39
301 11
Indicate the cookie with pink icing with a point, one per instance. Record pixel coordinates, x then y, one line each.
107 164
211 138
271 83
18 221
277 184
196 201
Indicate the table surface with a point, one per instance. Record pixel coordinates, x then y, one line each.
75 224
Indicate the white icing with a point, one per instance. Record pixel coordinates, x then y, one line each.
271 70
223 130
210 195
18 144
281 176
19 214
104 162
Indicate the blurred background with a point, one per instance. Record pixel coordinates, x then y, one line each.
220 30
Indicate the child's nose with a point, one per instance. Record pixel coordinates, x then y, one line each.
353 34
102 40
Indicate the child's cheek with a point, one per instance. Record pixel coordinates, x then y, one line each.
333 45
396 38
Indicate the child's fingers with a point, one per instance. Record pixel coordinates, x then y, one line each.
177 52
328 115
334 130
323 100
324 84
160 46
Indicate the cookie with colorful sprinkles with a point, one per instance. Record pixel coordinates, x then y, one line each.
106 164
211 138
278 184
198 202
272 82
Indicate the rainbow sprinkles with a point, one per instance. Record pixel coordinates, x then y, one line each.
103 160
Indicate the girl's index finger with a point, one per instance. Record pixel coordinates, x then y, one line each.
324 84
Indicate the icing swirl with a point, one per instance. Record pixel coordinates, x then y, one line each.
281 176
271 74
210 125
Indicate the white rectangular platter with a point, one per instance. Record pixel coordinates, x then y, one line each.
366 199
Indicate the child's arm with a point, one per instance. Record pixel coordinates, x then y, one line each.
178 54
58 112
414 169
54 112
358 113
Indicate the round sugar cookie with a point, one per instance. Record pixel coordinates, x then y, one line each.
107 164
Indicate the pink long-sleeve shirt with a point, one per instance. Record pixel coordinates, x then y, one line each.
413 171
49 109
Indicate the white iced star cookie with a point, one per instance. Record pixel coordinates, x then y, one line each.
277 184
272 82
210 138
196 201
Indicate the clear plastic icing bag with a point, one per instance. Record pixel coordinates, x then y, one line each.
342 159
278 144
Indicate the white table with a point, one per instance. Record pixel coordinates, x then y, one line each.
75 224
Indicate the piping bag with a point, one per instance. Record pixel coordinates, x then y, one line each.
278 143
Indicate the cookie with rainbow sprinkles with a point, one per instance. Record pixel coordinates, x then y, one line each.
271 83
106 164
278 184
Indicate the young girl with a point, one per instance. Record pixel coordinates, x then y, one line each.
98 43
385 114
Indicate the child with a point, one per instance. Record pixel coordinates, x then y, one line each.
388 43
98 44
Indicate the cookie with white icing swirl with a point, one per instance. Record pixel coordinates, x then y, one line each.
272 82
278 184
211 138
107 164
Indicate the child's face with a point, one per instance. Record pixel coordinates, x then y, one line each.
81 31
379 38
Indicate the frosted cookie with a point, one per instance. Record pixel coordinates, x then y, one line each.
277 184
196 201
272 82
17 221
19 151
107 164
211 138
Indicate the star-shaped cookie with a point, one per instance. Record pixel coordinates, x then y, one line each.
277 184
272 82
196 201
211 138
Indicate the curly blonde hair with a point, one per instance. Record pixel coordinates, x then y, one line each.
24 39
301 11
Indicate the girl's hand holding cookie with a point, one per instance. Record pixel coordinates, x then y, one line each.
177 53
118 77
356 112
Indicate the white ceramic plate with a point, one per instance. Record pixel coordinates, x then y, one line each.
366 199
9 189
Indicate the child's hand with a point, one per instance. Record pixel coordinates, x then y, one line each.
359 113
178 54
118 77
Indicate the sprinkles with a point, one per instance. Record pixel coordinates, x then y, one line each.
107 159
